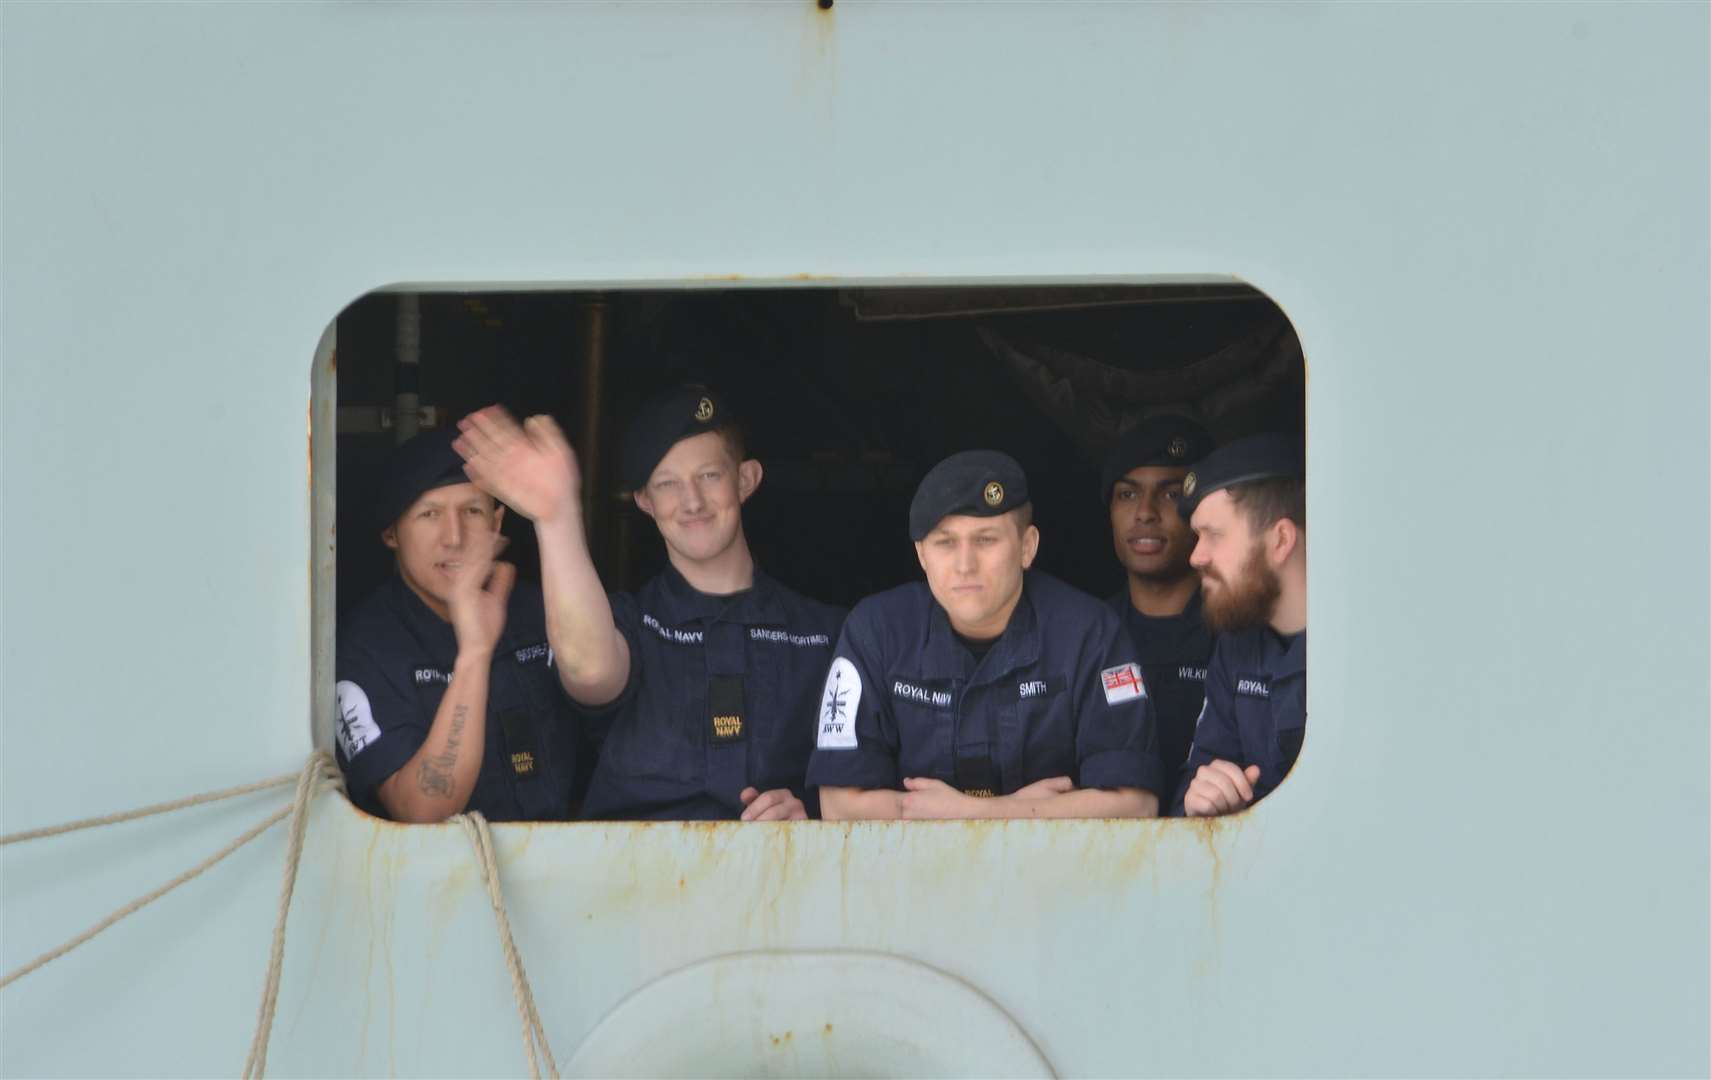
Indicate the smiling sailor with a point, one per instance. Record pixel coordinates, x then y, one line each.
708 676
1247 503
448 699
1160 605
989 690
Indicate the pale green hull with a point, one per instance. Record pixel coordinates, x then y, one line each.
1488 224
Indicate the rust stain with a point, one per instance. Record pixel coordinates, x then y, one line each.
1208 830
828 1030
766 279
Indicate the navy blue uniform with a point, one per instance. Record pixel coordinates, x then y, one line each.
394 664
721 697
1057 694
1256 707
1173 651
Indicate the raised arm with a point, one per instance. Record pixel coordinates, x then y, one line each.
533 470
437 781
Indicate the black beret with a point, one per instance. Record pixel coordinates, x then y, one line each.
1257 457
662 422
979 483
1165 439
415 466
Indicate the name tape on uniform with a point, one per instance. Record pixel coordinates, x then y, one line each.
1253 687
838 707
1122 683
355 727
532 653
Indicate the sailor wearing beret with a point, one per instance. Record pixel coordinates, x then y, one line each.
989 690
705 681
448 698
1160 602
1247 505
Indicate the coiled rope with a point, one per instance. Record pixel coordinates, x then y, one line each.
319 774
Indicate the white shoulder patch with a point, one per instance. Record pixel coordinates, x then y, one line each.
355 726
838 707
1122 683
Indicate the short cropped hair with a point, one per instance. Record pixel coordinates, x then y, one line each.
1271 500
1024 516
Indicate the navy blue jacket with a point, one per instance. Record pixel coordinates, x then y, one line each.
721 697
1256 708
395 660
1058 694
1173 651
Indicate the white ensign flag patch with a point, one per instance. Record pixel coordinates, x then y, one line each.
1122 683
355 726
838 707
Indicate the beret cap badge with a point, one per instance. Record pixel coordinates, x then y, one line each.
1178 447
704 410
994 493
1188 484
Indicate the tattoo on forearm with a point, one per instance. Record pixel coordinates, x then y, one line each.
434 776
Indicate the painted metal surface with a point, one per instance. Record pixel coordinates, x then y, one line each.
1488 224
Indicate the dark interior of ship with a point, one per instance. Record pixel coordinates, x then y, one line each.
847 396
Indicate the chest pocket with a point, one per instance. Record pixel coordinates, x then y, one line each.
1272 724
1035 730
1289 720
536 753
923 710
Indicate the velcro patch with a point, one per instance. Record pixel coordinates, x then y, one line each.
1122 683
355 726
725 706
838 707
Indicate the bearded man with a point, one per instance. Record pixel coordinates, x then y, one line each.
1247 504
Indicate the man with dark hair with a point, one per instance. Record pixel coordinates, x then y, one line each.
1247 504
989 690
447 695
1160 603
707 677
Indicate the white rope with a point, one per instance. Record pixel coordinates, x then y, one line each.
150 897
320 772
146 811
481 837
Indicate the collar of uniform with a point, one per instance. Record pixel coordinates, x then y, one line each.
1122 605
681 602
944 657
429 630
1285 655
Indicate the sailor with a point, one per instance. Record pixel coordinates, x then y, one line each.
989 690
707 678
1160 603
1247 504
448 697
